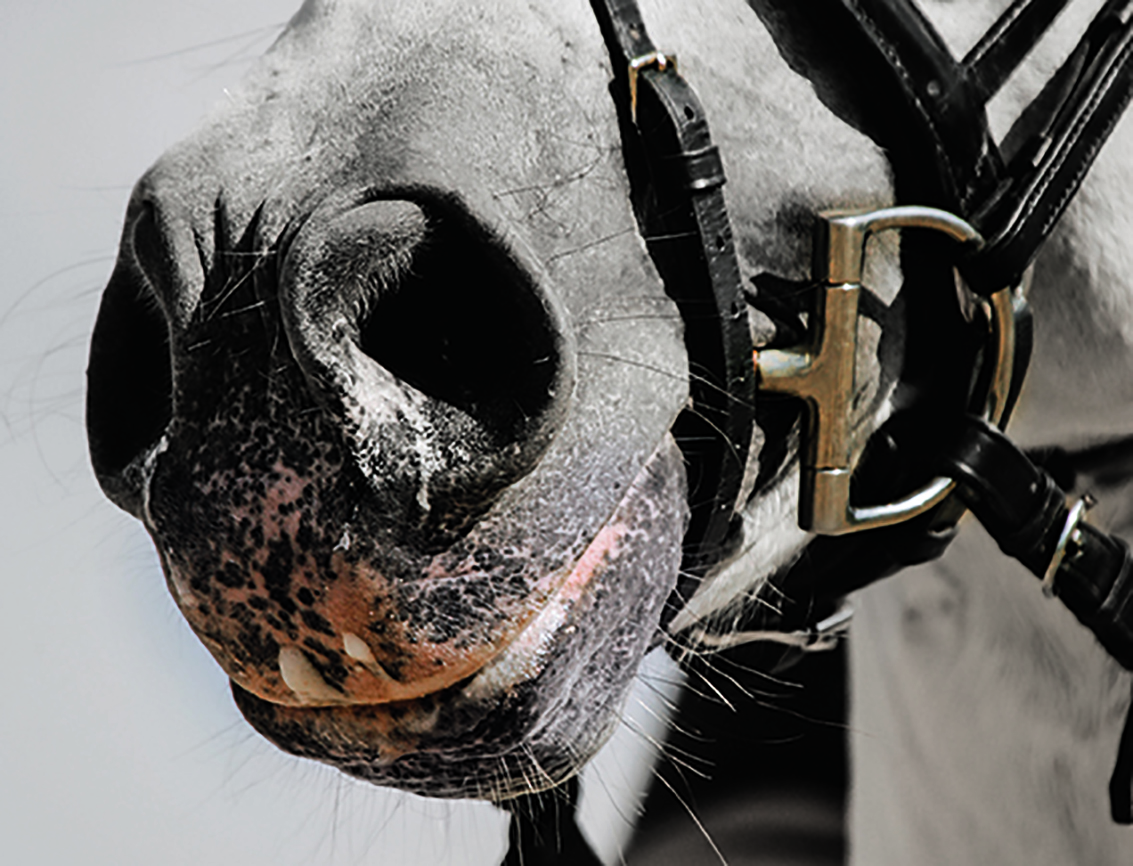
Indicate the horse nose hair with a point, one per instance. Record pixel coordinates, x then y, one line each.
441 357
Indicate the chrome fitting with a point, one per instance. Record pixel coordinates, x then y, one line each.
821 371
1070 535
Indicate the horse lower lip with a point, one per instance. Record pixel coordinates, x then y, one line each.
382 732
520 659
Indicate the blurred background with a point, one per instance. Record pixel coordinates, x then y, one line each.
119 742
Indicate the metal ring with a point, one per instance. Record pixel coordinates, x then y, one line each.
822 370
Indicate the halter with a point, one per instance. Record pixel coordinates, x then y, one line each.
980 207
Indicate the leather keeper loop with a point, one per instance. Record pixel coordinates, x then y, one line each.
698 170
1096 584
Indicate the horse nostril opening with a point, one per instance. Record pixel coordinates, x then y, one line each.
445 363
465 327
129 376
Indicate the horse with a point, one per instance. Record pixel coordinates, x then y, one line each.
386 372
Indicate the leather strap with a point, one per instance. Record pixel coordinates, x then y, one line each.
1024 510
992 60
676 179
946 137
1051 148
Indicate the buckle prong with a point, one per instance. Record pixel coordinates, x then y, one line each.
654 59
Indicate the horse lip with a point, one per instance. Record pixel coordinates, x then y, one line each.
535 707
486 670
375 735
521 658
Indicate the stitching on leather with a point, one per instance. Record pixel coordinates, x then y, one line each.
895 62
1034 198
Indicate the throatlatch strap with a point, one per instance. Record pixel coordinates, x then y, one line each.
676 179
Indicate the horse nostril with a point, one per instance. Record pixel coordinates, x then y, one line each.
434 348
465 327
129 379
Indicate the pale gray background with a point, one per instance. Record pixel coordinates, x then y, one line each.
119 743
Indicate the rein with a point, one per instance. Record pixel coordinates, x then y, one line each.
881 66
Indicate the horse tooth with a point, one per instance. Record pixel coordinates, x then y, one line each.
360 651
357 649
302 678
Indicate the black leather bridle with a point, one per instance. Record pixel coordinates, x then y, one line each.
882 66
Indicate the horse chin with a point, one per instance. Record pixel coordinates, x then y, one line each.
537 711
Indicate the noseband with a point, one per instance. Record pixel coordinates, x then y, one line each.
968 204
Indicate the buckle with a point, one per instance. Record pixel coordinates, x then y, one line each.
822 370
1069 535
652 60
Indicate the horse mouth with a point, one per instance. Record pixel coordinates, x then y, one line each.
526 720
536 709
521 658
378 733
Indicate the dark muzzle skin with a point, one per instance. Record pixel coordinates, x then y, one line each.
548 698
400 438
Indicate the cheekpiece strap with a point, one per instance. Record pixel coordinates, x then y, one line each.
676 179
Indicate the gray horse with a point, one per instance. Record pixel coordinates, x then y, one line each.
386 372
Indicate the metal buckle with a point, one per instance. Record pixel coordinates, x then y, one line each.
1069 534
646 61
822 371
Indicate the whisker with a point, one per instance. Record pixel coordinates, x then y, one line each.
588 246
692 814
203 46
